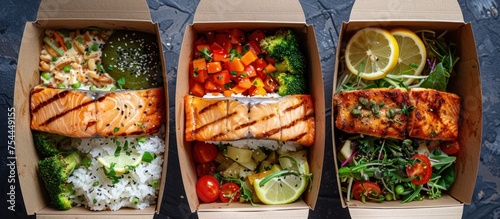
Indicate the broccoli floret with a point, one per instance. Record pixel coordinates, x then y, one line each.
282 44
54 172
291 84
49 144
293 63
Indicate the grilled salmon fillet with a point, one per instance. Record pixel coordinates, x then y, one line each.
205 119
297 119
128 113
289 118
65 112
265 120
375 112
435 116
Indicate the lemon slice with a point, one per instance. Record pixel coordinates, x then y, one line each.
412 54
372 51
280 190
121 162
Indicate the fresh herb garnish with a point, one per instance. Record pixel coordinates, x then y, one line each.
120 82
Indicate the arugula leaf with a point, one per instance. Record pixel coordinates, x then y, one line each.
438 79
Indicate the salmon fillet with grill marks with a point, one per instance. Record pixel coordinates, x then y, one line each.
206 119
435 116
376 112
127 113
289 118
265 121
65 112
297 119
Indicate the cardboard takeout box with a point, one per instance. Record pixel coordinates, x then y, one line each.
71 14
438 16
250 15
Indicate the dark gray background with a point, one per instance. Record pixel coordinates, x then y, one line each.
326 16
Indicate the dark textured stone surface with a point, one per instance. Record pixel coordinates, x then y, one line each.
327 17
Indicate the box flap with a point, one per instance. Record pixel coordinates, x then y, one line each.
94 10
276 11
421 10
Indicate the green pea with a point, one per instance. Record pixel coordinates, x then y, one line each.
54 59
46 75
388 196
79 40
95 183
68 44
61 86
141 139
67 68
399 189
95 47
76 85
154 184
135 200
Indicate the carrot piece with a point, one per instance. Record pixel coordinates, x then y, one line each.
61 40
227 93
269 68
202 46
214 67
200 75
245 83
238 90
197 89
249 57
236 65
200 64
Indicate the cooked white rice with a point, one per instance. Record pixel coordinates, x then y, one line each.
136 183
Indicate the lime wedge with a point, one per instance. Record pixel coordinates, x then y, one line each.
122 162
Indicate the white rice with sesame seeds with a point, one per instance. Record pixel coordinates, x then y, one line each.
94 190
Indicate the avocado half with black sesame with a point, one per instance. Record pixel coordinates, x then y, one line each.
132 58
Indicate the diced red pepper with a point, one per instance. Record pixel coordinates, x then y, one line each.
219 55
256 36
237 36
255 46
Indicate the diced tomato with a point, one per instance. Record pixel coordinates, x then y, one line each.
270 60
249 57
256 36
214 67
219 55
250 71
221 38
259 64
270 84
421 169
197 89
203 169
222 77
215 46
200 64
237 36
450 147
210 35
255 46
236 65
200 41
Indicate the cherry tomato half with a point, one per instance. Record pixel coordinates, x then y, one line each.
203 169
204 152
370 190
421 169
450 147
229 192
207 188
